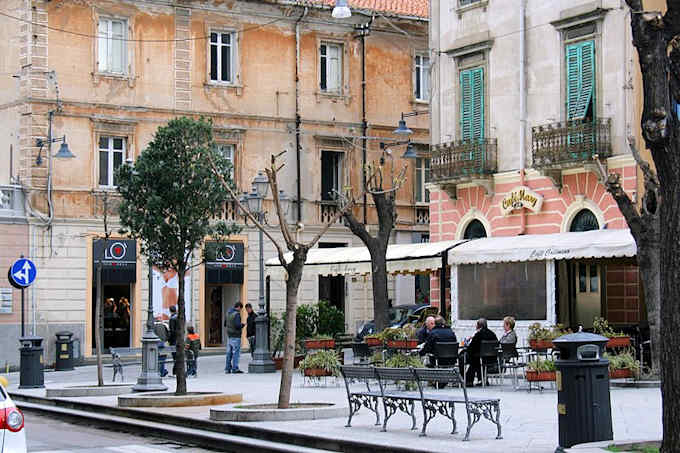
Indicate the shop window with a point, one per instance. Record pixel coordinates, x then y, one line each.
474 230
496 290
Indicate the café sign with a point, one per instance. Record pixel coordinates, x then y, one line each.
521 197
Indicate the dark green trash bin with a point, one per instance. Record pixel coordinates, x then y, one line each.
31 363
64 350
583 404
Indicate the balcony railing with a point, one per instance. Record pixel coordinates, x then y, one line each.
464 159
229 212
11 201
328 209
422 215
571 142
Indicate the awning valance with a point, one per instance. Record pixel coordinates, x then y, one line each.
536 247
401 258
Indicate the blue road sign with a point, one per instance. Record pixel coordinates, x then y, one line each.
23 272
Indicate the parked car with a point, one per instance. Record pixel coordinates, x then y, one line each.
12 433
398 316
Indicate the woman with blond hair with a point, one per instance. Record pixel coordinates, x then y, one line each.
509 335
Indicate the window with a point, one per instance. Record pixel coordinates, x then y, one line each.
584 220
474 230
580 80
467 2
112 39
330 70
421 78
422 177
472 104
331 174
496 290
588 280
111 155
222 56
228 151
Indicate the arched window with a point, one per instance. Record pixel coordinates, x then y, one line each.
474 230
584 220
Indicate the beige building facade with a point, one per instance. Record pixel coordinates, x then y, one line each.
103 76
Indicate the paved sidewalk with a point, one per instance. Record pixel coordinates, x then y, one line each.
529 419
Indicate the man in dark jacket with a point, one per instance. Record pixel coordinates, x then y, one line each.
424 331
250 327
234 327
440 334
173 336
472 353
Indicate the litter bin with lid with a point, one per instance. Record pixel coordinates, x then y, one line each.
31 363
583 404
64 351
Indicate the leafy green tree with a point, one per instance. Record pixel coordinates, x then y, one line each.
169 197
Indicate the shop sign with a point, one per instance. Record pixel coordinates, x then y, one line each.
226 255
521 197
115 252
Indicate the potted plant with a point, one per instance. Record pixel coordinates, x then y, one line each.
320 342
540 370
623 365
616 339
277 337
321 363
399 338
374 339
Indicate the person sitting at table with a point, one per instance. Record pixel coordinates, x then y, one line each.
509 336
424 331
472 353
439 334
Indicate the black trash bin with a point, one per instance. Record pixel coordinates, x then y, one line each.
31 364
583 404
64 350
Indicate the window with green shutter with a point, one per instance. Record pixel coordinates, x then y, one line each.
580 80
472 104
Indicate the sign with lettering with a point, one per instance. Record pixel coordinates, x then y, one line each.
115 252
521 197
225 255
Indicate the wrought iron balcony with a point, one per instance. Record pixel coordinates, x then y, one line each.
570 143
463 160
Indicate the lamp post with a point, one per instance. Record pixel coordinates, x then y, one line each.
402 129
262 361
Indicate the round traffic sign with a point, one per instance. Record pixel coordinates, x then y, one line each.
22 273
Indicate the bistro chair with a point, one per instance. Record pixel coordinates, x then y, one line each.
509 360
489 354
445 354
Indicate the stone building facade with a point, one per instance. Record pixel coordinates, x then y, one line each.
103 76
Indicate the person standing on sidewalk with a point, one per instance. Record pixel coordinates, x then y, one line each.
234 328
174 335
250 327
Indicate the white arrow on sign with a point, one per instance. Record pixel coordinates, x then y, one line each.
23 273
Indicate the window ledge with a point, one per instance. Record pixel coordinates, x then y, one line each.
98 76
334 97
422 204
462 9
237 87
419 101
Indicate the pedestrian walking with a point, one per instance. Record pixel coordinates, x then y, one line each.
193 345
234 327
250 327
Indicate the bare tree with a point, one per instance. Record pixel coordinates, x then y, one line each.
656 37
99 319
294 266
384 200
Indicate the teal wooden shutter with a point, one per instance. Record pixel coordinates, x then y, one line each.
472 104
580 78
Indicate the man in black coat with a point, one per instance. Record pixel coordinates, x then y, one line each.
250 327
472 353
173 335
424 331
440 334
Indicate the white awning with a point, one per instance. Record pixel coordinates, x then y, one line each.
536 247
401 258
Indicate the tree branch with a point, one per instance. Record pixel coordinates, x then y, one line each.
647 172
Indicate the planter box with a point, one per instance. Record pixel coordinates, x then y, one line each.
618 342
539 376
317 372
319 344
374 341
620 373
402 344
541 344
278 361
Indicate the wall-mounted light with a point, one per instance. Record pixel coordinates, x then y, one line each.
63 153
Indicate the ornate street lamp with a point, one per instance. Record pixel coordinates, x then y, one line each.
341 10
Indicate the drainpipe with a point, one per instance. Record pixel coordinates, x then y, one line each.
522 103
298 120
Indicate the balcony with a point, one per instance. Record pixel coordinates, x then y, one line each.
570 144
464 161
328 209
422 215
228 212
11 202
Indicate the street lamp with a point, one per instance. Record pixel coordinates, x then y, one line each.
262 360
402 129
410 152
341 10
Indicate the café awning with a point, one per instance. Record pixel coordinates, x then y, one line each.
401 258
536 247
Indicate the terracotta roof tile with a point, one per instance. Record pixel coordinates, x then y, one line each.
416 8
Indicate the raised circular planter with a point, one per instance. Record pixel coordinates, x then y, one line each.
169 399
270 413
88 390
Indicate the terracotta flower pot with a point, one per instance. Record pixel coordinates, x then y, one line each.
620 373
541 344
317 372
278 361
618 342
402 344
537 376
373 341
319 344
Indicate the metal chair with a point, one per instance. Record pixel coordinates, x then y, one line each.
445 354
488 355
509 360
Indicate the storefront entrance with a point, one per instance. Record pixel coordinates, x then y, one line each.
223 284
219 299
116 311
588 303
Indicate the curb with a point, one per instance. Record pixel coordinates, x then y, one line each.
255 413
82 390
169 400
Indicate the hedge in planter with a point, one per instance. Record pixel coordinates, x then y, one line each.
541 338
321 363
540 370
320 342
623 365
616 339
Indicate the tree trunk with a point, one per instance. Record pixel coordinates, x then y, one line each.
180 370
294 270
98 325
650 262
379 280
